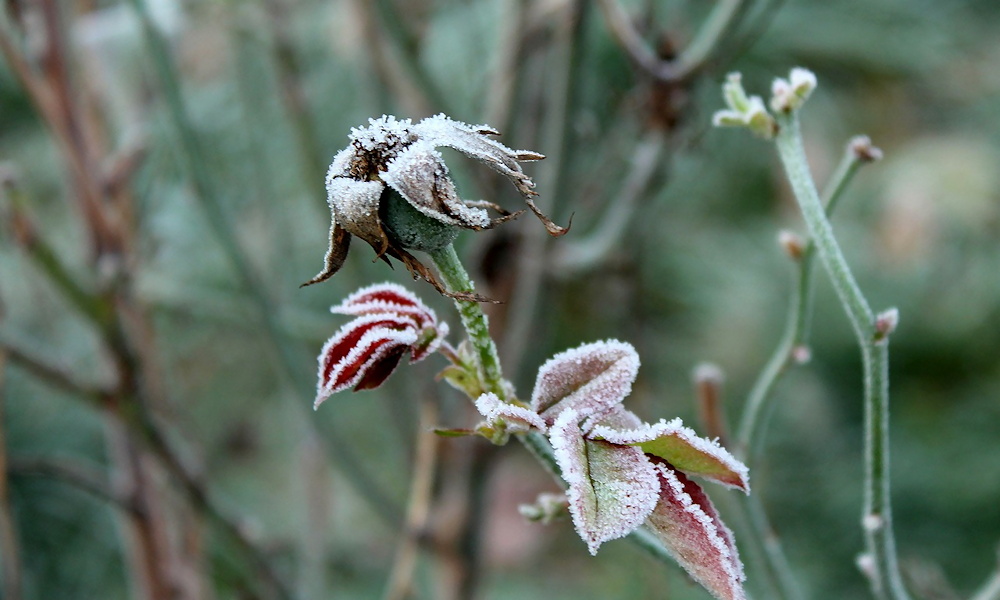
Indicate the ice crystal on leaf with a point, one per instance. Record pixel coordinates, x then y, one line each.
592 379
688 526
513 418
682 448
612 489
397 156
390 321
622 473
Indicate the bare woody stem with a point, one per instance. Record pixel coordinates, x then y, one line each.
884 572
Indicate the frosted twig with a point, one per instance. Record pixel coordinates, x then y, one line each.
457 280
885 576
750 434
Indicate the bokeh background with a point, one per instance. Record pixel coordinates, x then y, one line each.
163 162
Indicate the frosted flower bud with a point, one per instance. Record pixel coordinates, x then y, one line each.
391 188
863 149
790 94
744 111
885 323
389 323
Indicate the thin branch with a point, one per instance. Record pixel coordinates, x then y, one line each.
794 340
880 563
294 100
10 548
51 374
287 357
503 85
724 17
75 473
765 544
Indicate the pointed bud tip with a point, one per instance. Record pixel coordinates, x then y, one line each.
801 354
793 244
708 373
863 149
790 94
886 323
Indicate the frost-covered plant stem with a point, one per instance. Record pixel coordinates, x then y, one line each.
456 280
476 326
750 435
880 563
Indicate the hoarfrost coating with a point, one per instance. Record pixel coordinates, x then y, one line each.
393 155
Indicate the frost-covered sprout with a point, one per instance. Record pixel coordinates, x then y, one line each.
790 94
504 418
622 473
390 321
886 323
391 188
744 111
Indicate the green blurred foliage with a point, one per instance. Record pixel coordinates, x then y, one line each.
698 276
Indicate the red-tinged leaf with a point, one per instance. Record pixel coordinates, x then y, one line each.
359 349
687 524
591 380
380 370
516 418
682 448
382 294
342 343
387 298
612 489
